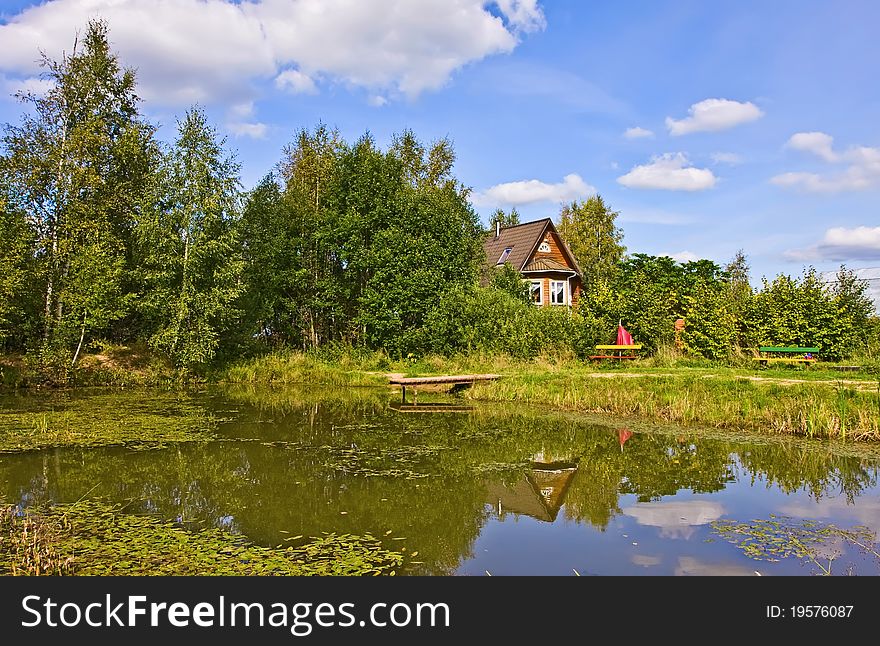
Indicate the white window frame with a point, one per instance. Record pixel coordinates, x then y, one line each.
544 247
540 284
564 292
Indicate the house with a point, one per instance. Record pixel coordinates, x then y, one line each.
539 254
539 493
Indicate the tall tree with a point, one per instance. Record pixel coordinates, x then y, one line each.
501 219
77 167
191 251
590 230
18 303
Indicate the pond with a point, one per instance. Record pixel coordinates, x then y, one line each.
465 489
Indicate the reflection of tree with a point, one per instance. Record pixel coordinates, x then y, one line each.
292 460
793 467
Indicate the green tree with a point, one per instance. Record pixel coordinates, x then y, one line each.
501 219
191 250
18 302
589 229
77 167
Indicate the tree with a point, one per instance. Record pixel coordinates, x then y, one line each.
501 219
590 231
18 302
739 291
76 168
191 250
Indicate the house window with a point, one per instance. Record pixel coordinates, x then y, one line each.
504 255
545 247
557 292
535 292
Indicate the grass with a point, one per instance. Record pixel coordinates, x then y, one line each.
96 538
813 402
812 409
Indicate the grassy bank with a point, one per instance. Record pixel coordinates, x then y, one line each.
815 402
95 538
808 408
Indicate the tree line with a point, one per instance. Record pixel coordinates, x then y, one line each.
108 234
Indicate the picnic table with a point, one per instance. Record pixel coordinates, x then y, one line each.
619 349
786 354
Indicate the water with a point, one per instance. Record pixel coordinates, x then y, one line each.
495 489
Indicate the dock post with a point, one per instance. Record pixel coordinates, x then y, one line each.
402 393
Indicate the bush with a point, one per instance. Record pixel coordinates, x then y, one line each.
486 320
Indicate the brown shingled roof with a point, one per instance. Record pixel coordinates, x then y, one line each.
522 239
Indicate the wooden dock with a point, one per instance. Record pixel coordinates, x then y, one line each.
454 380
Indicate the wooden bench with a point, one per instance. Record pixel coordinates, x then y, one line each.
784 354
620 351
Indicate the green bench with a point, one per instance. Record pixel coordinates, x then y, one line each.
785 354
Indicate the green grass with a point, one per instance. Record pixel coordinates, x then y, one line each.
811 409
96 538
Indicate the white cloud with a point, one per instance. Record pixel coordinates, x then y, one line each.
862 171
572 187
523 15
682 256
714 114
377 100
214 51
840 243
637 133
295 82
817 143
732 159
669 172
244 129
31 85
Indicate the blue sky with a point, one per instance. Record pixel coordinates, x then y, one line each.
710 127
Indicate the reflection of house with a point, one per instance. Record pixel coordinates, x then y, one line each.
540 493
536 251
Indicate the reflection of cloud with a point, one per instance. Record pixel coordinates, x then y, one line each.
865 512
646 561
689 566
676 519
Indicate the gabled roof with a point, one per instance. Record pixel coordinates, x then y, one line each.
523 240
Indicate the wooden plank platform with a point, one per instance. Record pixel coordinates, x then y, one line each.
443 379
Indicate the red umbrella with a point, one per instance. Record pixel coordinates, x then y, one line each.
623 337
623 434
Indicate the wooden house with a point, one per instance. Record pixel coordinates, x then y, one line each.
539 254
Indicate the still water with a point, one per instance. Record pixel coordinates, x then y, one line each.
473 490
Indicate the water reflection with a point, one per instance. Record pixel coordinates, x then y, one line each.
493 489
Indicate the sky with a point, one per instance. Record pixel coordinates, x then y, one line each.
710 127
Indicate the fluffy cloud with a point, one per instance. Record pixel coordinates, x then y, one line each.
572 187
840 243
731 159
214 50
817 143
862 170
295 82
245 129
637 133
669 172
714 114
682 256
